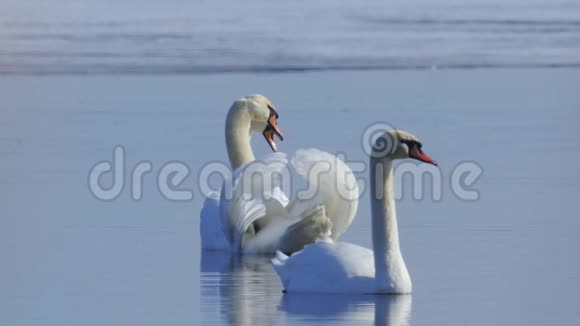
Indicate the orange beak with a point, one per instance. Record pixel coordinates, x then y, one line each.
271 130
418 154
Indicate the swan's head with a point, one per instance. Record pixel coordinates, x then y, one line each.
399 144
264 118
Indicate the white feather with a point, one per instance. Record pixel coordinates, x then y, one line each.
310 179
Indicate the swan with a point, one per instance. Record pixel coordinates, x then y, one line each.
251 216
329 267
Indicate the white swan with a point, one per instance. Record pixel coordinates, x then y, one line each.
328 267
259 211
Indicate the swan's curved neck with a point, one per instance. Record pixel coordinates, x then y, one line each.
238 136
390 267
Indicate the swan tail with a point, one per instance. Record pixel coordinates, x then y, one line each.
313 226
278 262
211 233
280 257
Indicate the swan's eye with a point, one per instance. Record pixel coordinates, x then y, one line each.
419 146
411 143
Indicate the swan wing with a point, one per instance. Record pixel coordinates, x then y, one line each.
212 235
290 234
312 178
247 211
313 225
257 182
330 182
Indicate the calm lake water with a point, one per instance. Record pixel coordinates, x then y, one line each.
509 258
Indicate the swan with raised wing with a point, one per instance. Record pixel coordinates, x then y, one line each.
329 267
262 214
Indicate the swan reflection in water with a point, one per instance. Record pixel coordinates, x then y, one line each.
380 309
243 290
247 291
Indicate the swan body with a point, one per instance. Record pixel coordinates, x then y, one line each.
329 267
273 203
348 268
